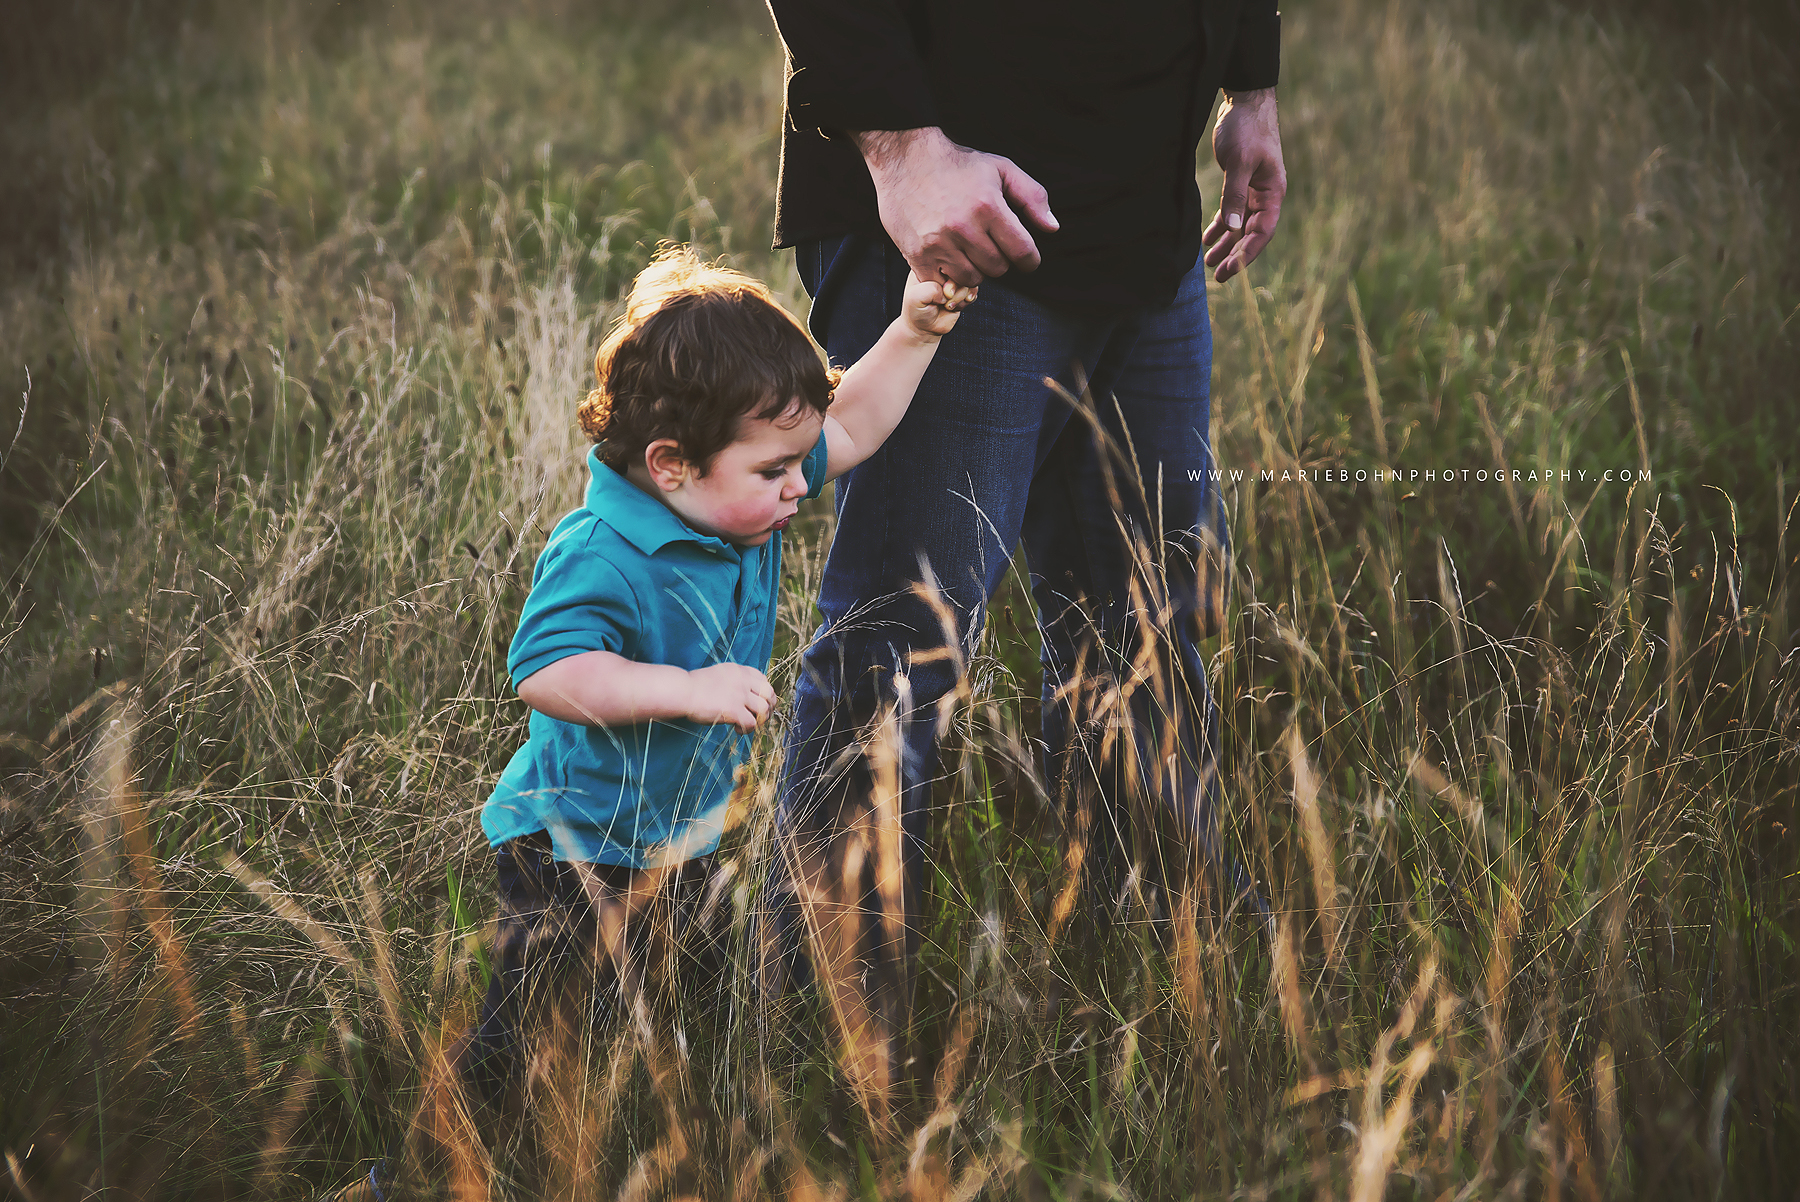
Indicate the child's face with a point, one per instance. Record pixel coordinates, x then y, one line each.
755 483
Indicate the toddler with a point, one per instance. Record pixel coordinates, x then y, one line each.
642 646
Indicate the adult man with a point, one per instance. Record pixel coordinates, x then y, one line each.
1051 146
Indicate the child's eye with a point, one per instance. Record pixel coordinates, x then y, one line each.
774 473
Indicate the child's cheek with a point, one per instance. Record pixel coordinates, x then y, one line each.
745 514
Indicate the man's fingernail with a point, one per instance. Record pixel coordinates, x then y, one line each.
1234 221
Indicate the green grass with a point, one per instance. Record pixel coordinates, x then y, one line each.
300 305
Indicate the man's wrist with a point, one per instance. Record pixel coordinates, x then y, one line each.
1253 98
882 148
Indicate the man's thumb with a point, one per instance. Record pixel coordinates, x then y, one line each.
1231 201
1028 194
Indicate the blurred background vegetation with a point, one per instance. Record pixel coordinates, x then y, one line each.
297 301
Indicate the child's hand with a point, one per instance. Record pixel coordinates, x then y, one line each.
734 693
929 308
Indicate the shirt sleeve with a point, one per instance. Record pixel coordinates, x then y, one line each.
579 602
814 467
1255 60
852 64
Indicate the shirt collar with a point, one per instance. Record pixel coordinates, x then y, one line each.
639 518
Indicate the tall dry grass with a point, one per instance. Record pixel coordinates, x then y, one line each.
1514 763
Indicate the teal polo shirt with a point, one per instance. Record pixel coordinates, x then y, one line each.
624 574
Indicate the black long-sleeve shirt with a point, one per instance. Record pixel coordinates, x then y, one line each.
1103 104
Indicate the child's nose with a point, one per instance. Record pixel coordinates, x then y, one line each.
794 484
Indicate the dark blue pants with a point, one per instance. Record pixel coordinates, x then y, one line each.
1115 510
548 947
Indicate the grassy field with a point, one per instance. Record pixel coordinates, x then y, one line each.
296 304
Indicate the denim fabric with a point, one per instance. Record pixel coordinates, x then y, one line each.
988 456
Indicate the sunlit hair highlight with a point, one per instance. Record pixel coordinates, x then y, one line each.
698 349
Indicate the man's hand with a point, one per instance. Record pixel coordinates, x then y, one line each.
730 692
945 206
1247 144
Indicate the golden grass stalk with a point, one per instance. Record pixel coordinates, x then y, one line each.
1365 352
1606 1110
447 1121
572 1122
1284 969
883 832
271 896
1077 779
654 1169
868 1009
1317 842
387 980
829 884
1570 1158
128 806
240 1030
1384 1128
1499 978
283 1123
927 1173
18 1177
104 905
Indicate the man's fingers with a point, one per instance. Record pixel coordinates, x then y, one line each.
1230 251
1258 231
1268 218
1014 243
1248 247
1028 194
1215 229
1221 247
974 251
945 262
1231 200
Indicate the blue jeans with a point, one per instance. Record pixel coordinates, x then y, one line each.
1115 508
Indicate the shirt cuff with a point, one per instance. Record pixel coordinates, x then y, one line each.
844 104
1256 54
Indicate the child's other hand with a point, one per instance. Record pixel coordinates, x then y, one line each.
734 693
929 307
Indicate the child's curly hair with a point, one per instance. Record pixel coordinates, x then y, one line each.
699 348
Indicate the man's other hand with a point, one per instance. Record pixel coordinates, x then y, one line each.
1247 145
946 206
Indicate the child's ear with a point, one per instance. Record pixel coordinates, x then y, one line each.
666 465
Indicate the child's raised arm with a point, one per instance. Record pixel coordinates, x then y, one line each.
873 395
